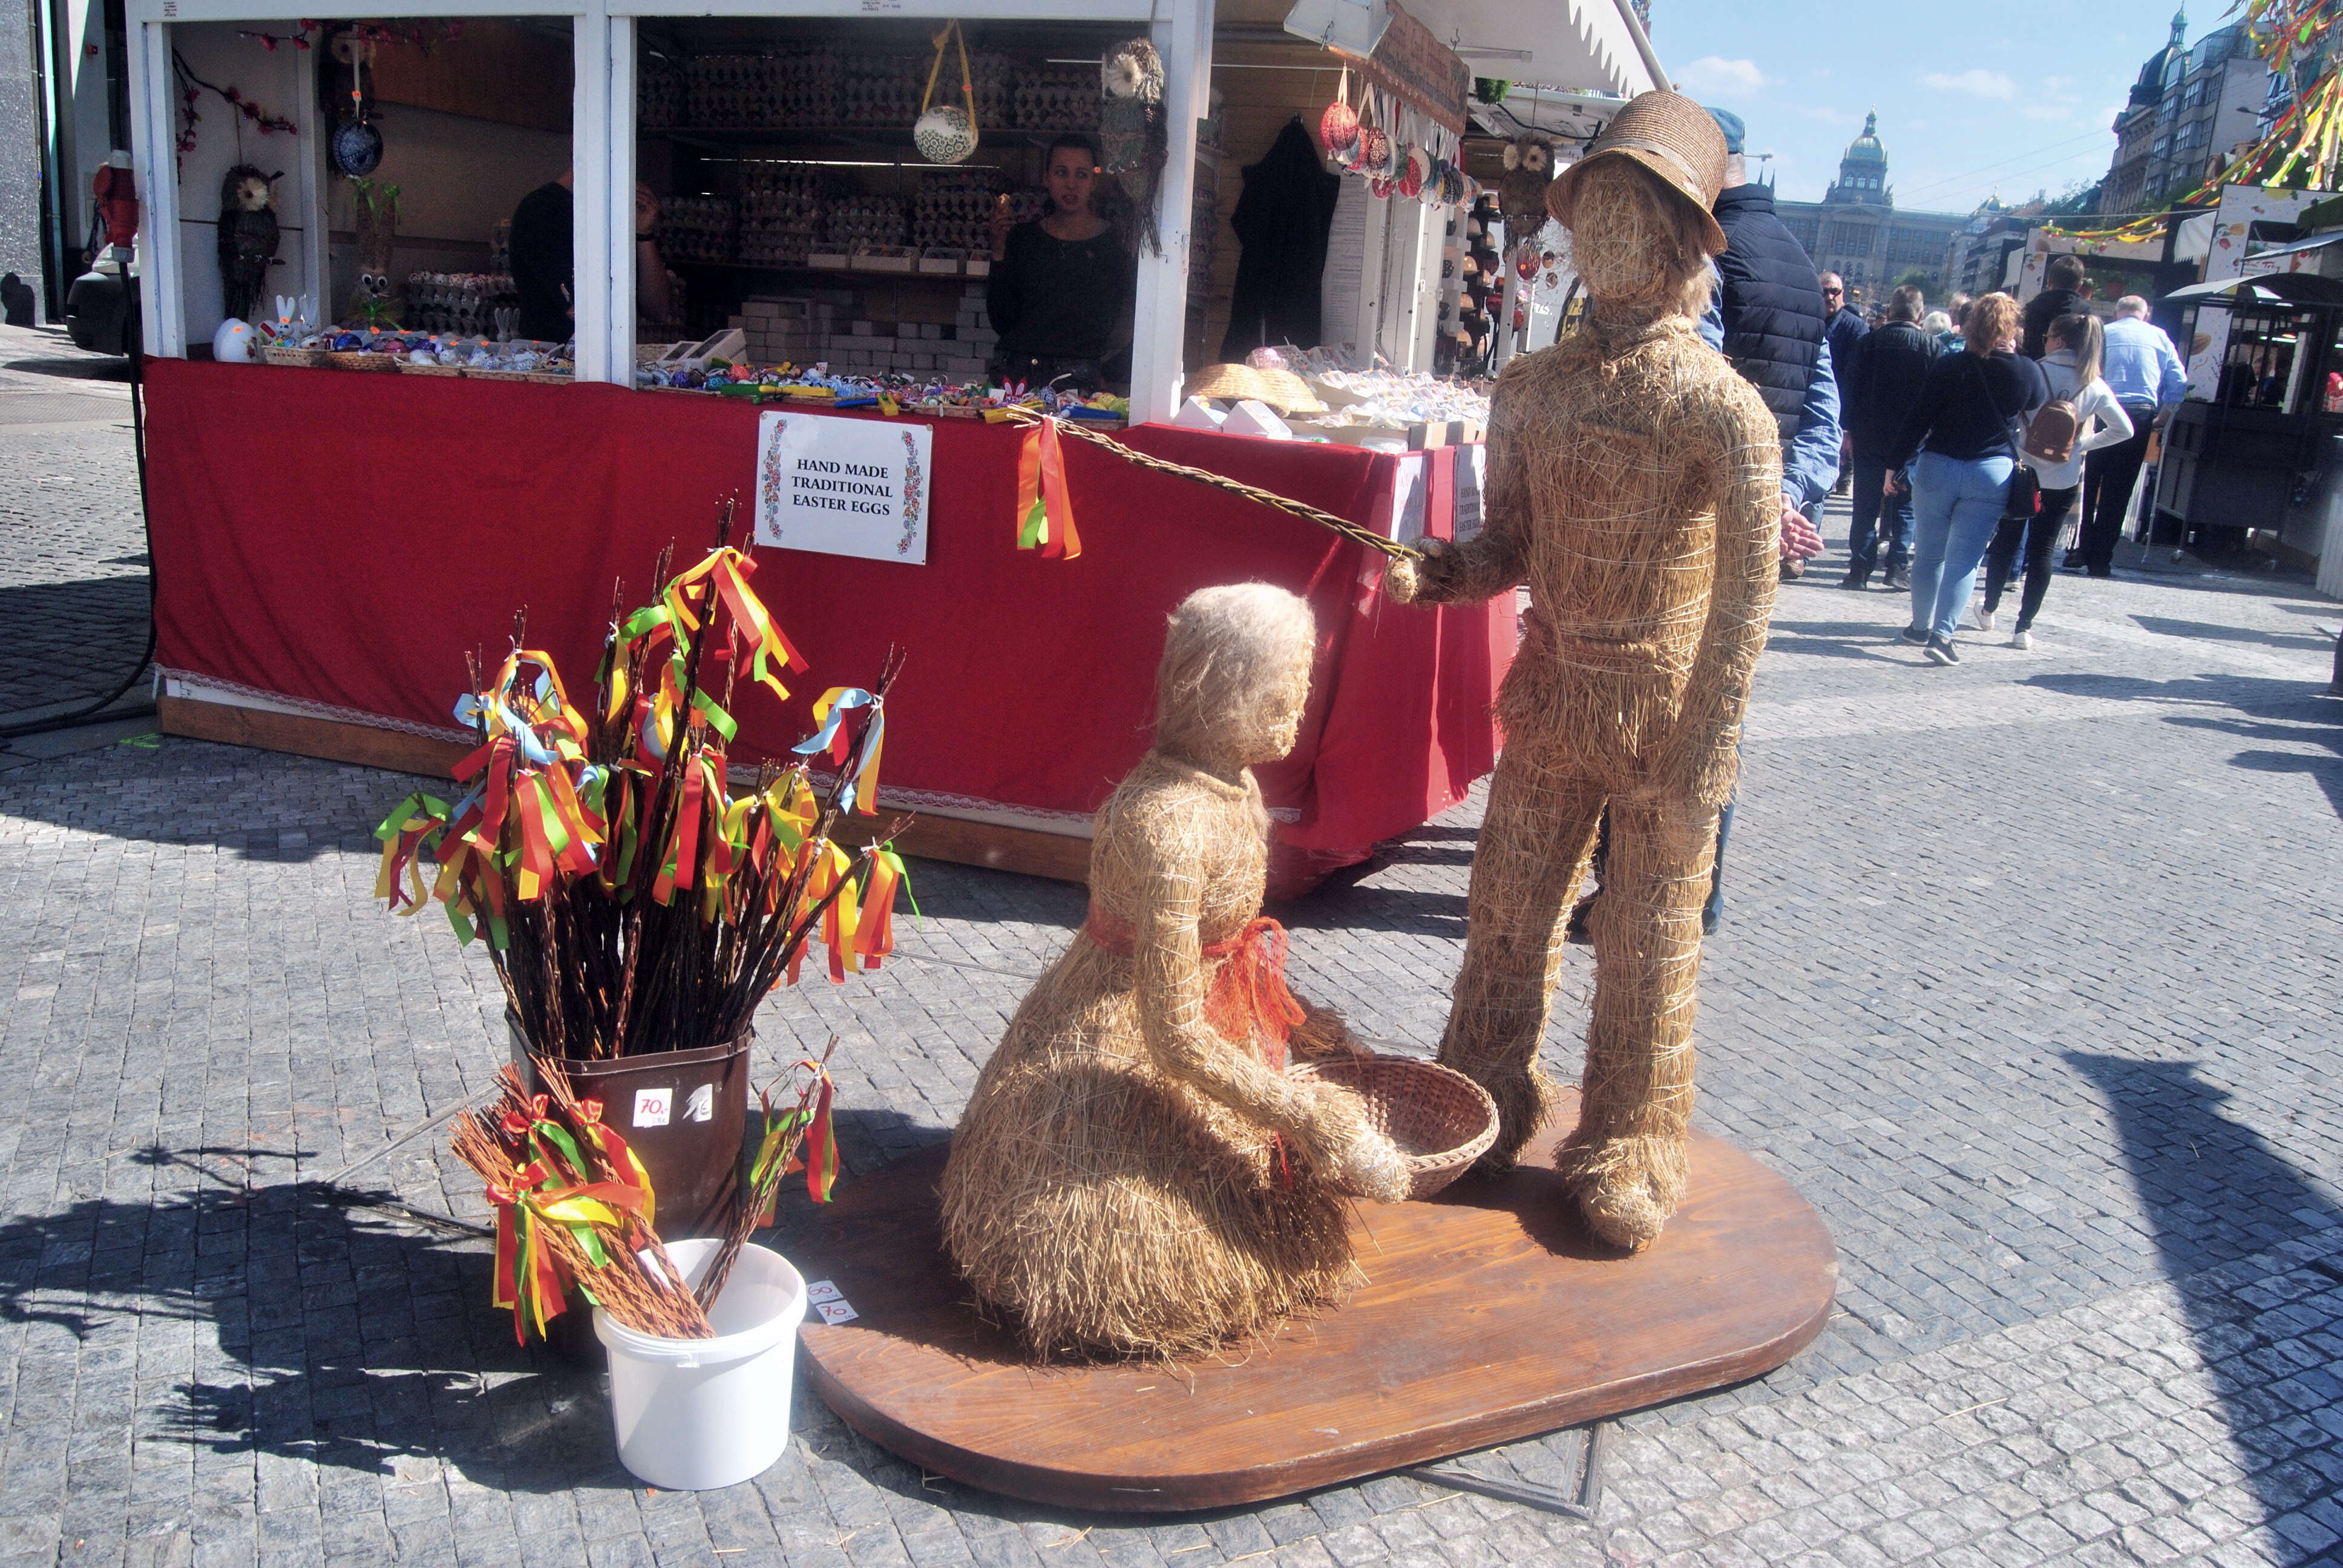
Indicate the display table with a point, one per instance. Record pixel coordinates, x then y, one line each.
1489 1314
328 544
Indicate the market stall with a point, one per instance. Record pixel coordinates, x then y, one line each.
814 260
2250 458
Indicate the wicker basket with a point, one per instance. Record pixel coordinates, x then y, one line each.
360 359
1441 1120
311 358
409 367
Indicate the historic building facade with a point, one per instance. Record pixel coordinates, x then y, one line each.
1856 231
2187 112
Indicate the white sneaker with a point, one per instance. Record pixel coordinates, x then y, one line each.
2021 639
1984 618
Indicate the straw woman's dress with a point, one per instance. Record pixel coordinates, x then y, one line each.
1129 1178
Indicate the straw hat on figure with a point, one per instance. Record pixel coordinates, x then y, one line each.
1634 483
1135 1173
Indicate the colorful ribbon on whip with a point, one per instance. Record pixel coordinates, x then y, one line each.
1045 505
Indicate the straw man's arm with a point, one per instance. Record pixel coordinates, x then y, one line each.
1496 559
1699 755
1326 1122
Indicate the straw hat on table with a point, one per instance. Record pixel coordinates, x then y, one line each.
1284 390
1671 136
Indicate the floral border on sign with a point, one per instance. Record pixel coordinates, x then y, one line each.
914 486
769 483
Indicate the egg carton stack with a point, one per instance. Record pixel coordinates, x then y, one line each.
463 303
954 210
1025 205
806 81
994 76
659 93
879 90
729 91
780 212
697 229
1056 99
862 219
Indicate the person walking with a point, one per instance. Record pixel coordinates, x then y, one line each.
2143 370
2061 295
2072 370
1891 366
1959 440
1773 324
1956 310
1843 329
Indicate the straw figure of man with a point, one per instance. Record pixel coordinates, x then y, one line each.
1135 1174
1634 484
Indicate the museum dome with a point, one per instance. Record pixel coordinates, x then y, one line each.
1866 148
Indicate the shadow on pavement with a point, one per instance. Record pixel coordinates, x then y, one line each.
2216 1192
345 1340
2323 728
70 640
2305 639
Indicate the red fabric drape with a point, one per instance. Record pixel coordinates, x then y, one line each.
343 538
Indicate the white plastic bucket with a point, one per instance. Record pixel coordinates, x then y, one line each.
696 1414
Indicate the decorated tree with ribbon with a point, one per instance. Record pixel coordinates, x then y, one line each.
632 896
574 1209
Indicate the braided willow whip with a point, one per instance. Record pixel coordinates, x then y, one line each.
1343 525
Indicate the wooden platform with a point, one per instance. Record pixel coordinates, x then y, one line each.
1491 1314
930 836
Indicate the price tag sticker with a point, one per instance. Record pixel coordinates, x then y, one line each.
652 1105
826 1301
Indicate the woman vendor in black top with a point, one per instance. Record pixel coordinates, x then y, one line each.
1062 286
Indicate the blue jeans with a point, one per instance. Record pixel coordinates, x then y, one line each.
1956 506
1878 521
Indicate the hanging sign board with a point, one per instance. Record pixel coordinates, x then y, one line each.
844 486
1409 62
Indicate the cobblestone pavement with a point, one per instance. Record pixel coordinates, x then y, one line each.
72 562
2027 982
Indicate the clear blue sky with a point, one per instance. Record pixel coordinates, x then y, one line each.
1970 100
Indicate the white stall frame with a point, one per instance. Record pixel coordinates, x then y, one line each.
603 149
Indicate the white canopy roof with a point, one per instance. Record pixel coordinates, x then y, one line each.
1587 44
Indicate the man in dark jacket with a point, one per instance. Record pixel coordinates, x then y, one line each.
1889 368
1844 330
2061 295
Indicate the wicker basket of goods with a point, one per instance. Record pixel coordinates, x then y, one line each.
362 359
1441 1120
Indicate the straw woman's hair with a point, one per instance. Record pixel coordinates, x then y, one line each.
1992 318
2084 335
1228 651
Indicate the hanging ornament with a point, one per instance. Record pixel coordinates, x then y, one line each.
1525 264
1379 189
1375 151
1338 128
1413 166
946 133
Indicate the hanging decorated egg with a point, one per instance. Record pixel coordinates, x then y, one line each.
1412 168
1379 189
1375 151
945 135
1525 266
1338 128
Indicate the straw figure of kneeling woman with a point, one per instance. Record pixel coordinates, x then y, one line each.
1135 1173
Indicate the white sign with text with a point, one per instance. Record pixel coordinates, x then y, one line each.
844 486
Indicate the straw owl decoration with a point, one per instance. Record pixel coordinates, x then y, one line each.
1133 135
247 239
1520 194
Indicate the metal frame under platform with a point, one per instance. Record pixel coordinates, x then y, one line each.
1489 1314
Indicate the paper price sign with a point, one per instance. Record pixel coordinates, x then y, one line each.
844 486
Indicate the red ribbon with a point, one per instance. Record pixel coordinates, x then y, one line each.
1248 999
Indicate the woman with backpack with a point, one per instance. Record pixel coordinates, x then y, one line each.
2081 416
1962 429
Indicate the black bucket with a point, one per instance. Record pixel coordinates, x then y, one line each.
684 1114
